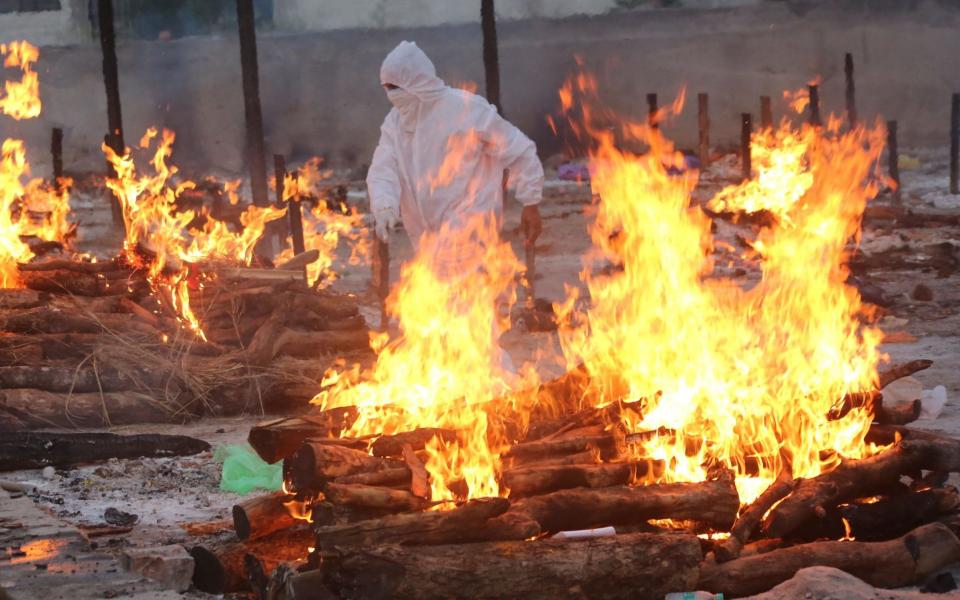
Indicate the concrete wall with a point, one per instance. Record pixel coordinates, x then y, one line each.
321 92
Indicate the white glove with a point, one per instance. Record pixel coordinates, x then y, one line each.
385 220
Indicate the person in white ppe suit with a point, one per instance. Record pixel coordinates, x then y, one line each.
430 123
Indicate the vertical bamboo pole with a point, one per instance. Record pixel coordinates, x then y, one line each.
491 59
293 206
256 157
814 104
766 113
746 129
703 118
111 82
851 90
955 144
652 110
56 152
893 157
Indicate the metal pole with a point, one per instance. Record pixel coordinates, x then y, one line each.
491 59
111 81
703 117
256 157
955 144
746 129
851 90
814 105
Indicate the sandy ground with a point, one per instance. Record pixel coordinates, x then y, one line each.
164 493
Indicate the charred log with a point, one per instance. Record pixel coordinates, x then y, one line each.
258 517
751 516
32 450
539 479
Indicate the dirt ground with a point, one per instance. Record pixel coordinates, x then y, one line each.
165 493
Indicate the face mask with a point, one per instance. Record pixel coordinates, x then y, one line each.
407 104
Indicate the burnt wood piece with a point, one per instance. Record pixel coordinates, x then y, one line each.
639 565
419 478
459 525
260 516
398 477
316 463
369 496
886 518
900 414
854 479
605 443
40 409
392 445
539 479
751 516
219 566
714 503
901 370
37 449
891 564
278 439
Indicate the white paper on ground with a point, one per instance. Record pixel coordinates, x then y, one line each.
585 533
932 402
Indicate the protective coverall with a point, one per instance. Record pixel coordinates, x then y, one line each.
442 152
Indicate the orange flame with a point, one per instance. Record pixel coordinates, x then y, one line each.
744 378
157 235
445 366
324 228
22 98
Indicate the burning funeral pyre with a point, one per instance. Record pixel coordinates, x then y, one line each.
188 319
719 431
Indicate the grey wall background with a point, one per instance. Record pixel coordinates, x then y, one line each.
321 92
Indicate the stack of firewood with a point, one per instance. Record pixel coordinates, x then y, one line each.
889 519
91 344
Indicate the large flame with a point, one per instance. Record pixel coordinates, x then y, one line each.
158 237
445 366
741 377
32 208
328 224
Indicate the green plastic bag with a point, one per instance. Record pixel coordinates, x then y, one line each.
244 471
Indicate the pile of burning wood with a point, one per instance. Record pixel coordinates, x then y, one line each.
373 531
95 344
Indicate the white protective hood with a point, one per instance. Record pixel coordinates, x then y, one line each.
444 161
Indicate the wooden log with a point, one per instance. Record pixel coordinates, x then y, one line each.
900 414
306 344
750 517
587 457
316 463
55 346
64 282
530 481
70 379
260 516
419 478
640 565
45 320
955 144
300 260
17 298
851 92
368 496
854 479
893 158
66 264
399 477
37 449
605 443
38 408
746 131
456 526
714 503
392 445
881 519
326 303
896 563
219 565
901 370
814 105
280 438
